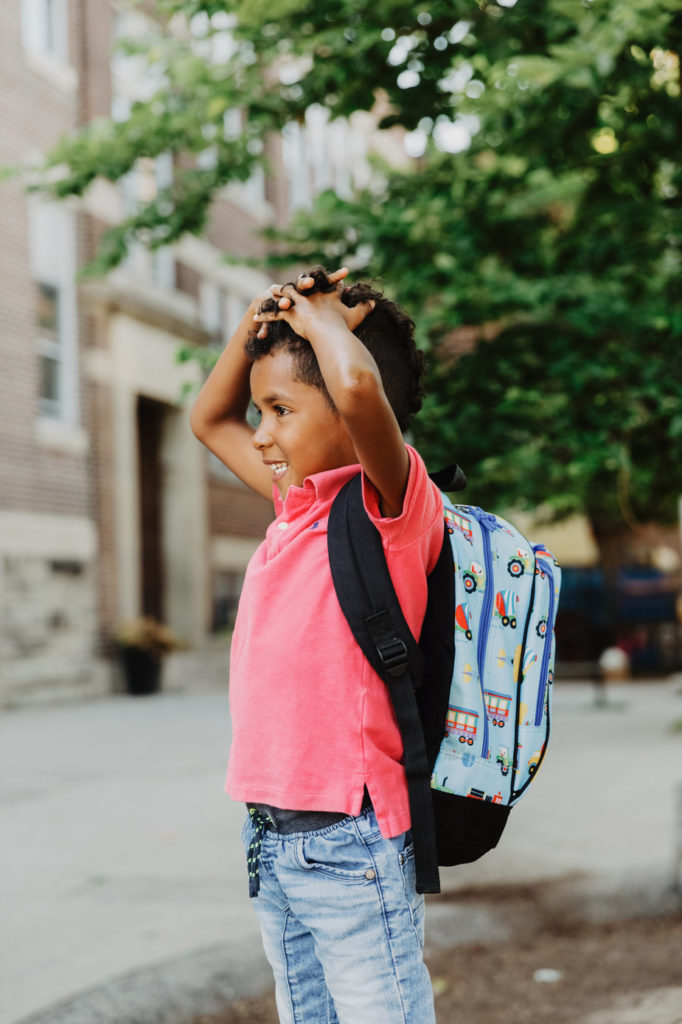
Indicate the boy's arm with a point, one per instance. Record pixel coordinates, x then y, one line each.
354 383
218 417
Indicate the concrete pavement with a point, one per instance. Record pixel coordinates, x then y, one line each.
123 893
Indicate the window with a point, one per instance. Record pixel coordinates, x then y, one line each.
143 184
133 77
220 310
253 189
44 28
52 250
318 154
296 166
48 346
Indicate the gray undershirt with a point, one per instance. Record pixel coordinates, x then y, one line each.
288 822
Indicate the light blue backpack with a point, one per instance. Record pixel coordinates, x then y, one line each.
498 717
472 695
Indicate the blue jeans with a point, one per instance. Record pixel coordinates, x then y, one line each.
343 925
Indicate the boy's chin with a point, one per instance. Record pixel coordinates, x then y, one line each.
283 486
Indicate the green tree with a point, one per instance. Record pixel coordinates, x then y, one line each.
536 238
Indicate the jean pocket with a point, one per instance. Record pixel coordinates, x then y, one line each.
403 844
339 854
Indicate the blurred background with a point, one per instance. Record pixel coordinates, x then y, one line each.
508 171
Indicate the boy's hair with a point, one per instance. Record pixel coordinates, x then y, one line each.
387 332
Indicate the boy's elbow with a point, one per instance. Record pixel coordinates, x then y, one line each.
360 390
200 425
196 423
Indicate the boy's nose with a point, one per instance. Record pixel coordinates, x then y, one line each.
261 438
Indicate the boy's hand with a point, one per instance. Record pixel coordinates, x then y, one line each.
268 299
306 281
300 307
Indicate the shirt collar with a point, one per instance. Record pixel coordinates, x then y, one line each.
321 487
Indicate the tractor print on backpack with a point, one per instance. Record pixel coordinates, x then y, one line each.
520 562
473 577
505 760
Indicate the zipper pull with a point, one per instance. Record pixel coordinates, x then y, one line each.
486 519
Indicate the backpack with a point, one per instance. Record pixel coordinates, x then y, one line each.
472 698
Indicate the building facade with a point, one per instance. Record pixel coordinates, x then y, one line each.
109 507
48 534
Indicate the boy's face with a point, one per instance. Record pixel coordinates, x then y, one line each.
299 434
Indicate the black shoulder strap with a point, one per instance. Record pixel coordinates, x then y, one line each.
451 478
368 600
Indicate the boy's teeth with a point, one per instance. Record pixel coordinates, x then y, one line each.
277 467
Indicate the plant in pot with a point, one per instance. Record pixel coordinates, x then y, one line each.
141 644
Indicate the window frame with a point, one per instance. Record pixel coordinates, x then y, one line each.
52 247
45 29
51 348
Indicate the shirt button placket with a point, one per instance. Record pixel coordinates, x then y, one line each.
282 528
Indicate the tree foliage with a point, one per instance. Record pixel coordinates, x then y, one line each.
536 240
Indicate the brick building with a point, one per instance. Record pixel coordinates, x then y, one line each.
109 507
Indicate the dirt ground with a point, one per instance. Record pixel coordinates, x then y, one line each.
595 968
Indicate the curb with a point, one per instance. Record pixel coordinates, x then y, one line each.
175 991
207 981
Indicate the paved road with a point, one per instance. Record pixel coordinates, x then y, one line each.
122 889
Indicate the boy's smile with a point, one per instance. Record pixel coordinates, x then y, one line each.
299 433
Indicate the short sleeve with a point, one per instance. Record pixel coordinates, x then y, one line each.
422 512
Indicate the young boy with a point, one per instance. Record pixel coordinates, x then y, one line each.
316 753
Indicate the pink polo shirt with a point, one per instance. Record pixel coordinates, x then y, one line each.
312 721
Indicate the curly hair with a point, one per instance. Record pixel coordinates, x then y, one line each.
387 332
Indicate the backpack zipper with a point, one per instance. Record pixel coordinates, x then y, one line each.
487 523
519 681
544 667
544 670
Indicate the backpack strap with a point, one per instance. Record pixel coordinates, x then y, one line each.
368 600
451 478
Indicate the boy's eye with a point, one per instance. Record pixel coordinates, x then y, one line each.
280 410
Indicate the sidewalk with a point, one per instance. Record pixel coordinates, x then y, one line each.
123 896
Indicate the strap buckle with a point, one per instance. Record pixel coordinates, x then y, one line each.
394 656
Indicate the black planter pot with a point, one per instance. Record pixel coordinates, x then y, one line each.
141 671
